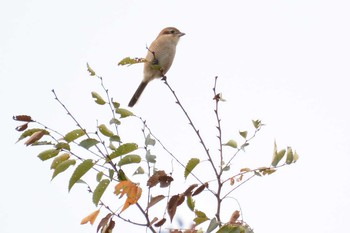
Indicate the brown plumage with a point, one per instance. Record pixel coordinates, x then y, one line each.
159 58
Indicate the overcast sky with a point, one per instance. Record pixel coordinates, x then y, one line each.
284 62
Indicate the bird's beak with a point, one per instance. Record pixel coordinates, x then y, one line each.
181 34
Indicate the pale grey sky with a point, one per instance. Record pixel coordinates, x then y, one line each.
284 62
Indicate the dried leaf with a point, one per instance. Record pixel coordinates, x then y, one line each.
104 221
35 137
200 189
22 127
160 222
189 189
90 218
234 217
172 205
25 118
155 200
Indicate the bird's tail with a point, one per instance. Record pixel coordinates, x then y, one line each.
137 94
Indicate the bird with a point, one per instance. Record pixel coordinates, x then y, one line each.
159 58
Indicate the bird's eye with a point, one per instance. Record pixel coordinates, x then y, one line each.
172 31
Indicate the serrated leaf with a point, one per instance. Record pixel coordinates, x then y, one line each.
190 202
243 134
289 158
98 99
30 132
124 112
123 149
74 134
201 217
105 131
150 158
99 176
150 141
48 154
89 142
61 167
99 190
128 159
191 164
230 229
59 159
212 225
90 70
231 143
82 168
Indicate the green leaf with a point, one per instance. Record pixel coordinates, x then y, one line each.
62 167
89 142
192 163
99 190
48 154
110 174
30 132
124 112
128 159
82 168
231 143
139 171
99 176
59 159
289 158
74 134
131 61
98 99
91 71
212 225
105 131
115 104
150 141
190 202
114 121
150 158
295 156
243 134
231 229
256 123
123 149
277 157
201 217
121 175
114 138
62 145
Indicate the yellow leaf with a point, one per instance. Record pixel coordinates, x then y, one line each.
90 218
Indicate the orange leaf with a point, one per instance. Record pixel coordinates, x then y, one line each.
132 191
90 218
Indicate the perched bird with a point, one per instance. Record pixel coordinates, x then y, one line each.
159 58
